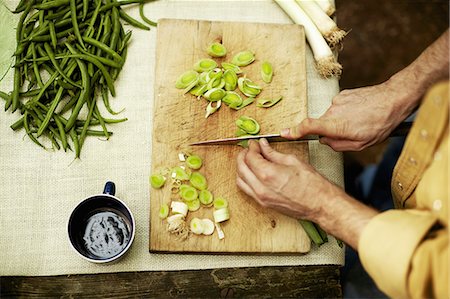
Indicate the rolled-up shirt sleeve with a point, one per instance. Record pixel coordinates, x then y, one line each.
406 254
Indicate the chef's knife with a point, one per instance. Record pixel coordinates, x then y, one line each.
401 130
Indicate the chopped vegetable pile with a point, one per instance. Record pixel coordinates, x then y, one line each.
189 193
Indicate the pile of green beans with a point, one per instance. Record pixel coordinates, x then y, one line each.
68 51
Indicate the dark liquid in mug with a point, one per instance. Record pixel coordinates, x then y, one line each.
106 234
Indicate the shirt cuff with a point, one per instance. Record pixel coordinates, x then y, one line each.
387 244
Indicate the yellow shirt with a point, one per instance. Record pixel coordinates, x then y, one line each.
405 250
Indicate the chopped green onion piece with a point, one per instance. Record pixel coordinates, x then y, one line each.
243 58
189 193
220 203
266 103
247 87
199 90
208 227
179 207
187 79
179 173
164 211
245 103
198 181
266 72
193 205
241 133
248 125
202 78
229 66
194 162
184 186
196 226
216 50
204 65
214 95
221 215
210 109
230 78
243 143
232 99
206 197
157 180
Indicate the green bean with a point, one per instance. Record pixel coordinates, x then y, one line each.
84 93
95 133
90 28
27 130
15 94
4 96
50 112
54 142
105 98
108 6
116 29
143 17
87 122
76 144
101 59
125 41
70 103
131 21
53 34
42 90
21 6
62 133
103 47
51 55
85 8
76 29
51 4
102 122
35 67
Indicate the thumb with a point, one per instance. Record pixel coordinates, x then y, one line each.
319 126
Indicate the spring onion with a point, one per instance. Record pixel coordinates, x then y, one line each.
164 211
248 87
230 78
266 71
216 50
245 103
178 173
327 6
199 90
248 124
194 162
189 193
326 63
188 78
266 103
157 180
198 181
196 226
332 33
179 207
243 58
232 99
220 233
193 205
221 215
206 197
204 65
208 227
210 109
214 95
229 66
220 203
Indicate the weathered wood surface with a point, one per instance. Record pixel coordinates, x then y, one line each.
259 282
179 120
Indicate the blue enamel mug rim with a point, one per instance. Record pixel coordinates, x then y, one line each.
108 192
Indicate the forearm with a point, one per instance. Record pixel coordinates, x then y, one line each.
343 216
414 80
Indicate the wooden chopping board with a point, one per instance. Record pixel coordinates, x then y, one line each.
180 119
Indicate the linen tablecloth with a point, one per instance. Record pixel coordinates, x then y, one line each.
39 188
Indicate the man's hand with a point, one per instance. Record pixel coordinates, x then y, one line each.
281 182
292 187
357 118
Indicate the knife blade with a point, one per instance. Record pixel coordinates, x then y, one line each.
269 137
402 130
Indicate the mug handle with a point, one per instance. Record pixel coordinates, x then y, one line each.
110 188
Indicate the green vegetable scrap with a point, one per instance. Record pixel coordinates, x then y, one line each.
67 52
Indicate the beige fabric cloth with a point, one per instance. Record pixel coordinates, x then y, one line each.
39 189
